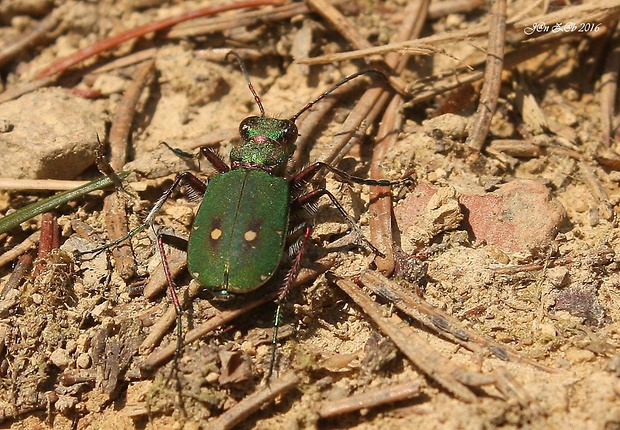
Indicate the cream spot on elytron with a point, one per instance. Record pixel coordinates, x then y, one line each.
216 233
250 235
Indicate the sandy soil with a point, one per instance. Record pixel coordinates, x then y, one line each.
72 338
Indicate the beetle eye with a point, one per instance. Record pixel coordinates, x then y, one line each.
290 133
244 128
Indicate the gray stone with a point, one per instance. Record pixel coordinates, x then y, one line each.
53 135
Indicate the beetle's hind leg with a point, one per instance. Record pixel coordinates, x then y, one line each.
298 247
163 239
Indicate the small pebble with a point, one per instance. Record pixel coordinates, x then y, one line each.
60 358
579 355
5 125
100 309
249 348
37 299
547 330
212 377
83 361
71 346
451 125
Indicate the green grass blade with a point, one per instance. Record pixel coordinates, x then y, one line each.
27 212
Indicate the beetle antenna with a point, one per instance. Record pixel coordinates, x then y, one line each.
334 88
246 75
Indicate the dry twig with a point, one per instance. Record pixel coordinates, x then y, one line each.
50 73
244 18
67 62
453 378
113 206
348 30
380 209
489 95
49 240
415 348
601 11
254 402
440 322
370 104
609 87
369 399
12 48
20 248
425 46
38 184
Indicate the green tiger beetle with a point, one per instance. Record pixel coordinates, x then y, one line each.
250 210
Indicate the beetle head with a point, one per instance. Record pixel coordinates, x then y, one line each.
268 142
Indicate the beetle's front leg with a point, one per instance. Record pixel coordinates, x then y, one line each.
195 183
215 159
212 156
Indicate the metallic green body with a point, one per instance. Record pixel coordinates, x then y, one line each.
239 233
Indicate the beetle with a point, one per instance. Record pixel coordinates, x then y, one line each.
248 210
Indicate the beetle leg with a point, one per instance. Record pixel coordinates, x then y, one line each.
193 181
306 174
215 159
284 290
312 196
161 241
197 187
294 271
172 288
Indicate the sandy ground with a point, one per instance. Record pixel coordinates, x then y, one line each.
72 348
